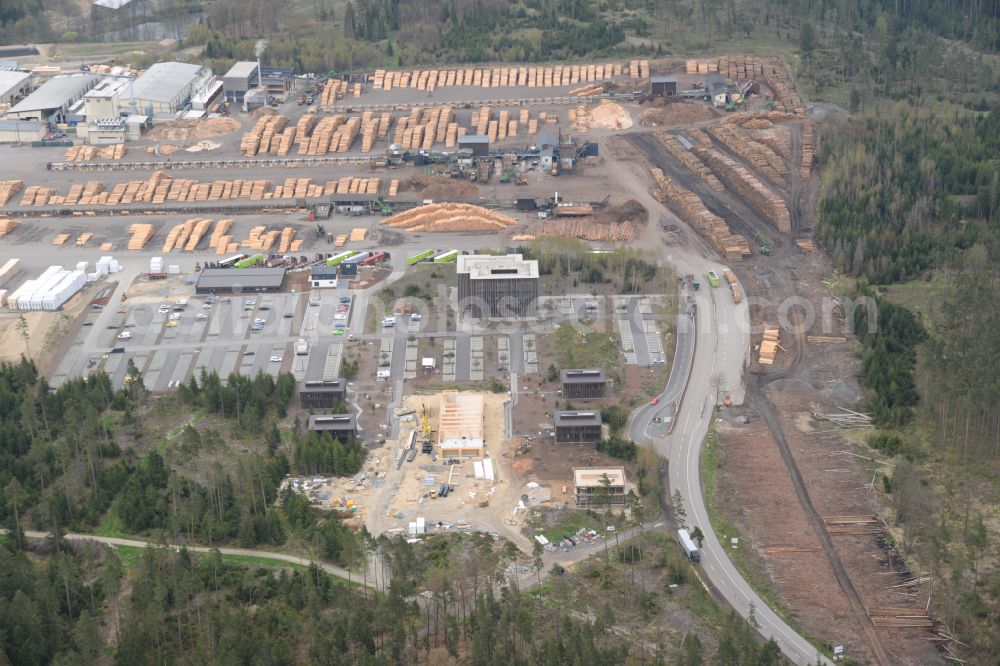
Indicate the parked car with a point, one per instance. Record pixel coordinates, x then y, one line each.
275 359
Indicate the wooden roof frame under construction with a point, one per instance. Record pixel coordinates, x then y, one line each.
460 416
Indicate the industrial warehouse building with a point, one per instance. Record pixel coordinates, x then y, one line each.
50 103
240 79
13 86
22 131
341 426
322 393
166 87
583 383
240 280
502 286
576 427
599 487
479 144
663 86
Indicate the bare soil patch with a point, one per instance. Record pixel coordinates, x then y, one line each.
662 112
439 187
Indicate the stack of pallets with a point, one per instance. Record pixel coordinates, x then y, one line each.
769 345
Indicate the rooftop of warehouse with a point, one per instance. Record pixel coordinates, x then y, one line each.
332 422
164 81
241 70
217 278
55 92
9 79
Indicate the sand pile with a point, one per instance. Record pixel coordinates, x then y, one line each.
610 116
676 113
187 130
449 217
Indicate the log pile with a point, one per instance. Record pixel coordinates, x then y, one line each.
449 217
342 139
305 125
60 239
699 136
825 339
505 77
616 232
8 188
201 226
778 138
37 196
688 159
587 90
84 238
808 139
87 153
141 235
760 156
351 185
319 141
738 179
333 91
805 244
769 346
258 140
689 206
358 234
285 141
393 187
218 233
287 239
7 226
899 616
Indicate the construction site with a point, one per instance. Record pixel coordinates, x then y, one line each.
356 214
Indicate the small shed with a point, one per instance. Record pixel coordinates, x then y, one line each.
663 86
479 144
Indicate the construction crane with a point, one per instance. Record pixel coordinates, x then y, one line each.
425 421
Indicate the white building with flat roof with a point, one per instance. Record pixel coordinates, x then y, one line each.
497 286
599 486
166 87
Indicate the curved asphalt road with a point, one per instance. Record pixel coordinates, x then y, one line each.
708 354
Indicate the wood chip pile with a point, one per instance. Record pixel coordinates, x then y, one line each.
760 156
7 226
449 217
770 345
8 188
618 232
503 77
689 206
141 234
688 159
739 179
87 153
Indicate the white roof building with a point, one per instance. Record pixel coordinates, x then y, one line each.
13 84
167 86
53 98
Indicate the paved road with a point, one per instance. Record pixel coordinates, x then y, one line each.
284 557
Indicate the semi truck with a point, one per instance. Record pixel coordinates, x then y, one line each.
357 258
301 347
337 258
250 262
421 256
374 259
689 546
713 278
446 257
734 286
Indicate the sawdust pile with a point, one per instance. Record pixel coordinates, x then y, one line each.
187 130
169 149
262 111
440 187
449 217
676 113
611 116
202 146
631 212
